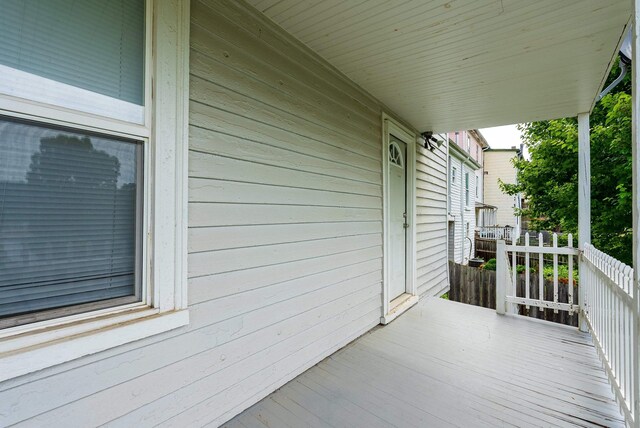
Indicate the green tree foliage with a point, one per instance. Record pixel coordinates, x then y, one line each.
549 179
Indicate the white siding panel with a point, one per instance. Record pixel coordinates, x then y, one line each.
205 288
220 238
431 204
285 239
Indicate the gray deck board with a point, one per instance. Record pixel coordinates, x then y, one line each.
445 364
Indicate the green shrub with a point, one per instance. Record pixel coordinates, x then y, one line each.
563 273
489 265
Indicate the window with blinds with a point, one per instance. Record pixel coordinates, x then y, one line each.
71 200
70 205
86 55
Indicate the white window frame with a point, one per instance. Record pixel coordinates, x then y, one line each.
453 174
31 347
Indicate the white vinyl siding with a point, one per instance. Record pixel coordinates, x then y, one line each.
285 239
431 234
462 208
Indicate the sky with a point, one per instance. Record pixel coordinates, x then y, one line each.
502 137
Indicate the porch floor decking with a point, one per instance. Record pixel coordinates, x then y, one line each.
448 364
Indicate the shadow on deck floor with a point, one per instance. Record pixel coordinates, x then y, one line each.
448 364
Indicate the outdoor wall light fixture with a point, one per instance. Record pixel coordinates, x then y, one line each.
430 140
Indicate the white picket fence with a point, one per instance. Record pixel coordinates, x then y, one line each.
506 283
607 285
606 305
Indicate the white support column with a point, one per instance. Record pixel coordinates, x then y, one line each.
501 277
584 201
635 117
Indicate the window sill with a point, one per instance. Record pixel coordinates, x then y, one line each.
31 349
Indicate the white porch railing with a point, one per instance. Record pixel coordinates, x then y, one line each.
496 232
607 285
606 288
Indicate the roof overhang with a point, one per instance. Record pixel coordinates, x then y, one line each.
456 64
479 138
457 152
483 206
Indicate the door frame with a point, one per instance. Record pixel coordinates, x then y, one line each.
407 136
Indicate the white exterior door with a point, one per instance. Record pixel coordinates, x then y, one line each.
398 222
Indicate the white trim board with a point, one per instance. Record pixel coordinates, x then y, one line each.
392 127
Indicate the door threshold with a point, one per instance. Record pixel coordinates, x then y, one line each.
398 306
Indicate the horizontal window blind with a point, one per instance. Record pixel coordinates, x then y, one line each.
97 45
68 213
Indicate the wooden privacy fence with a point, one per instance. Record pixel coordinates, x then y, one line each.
477 287
471 285
485 248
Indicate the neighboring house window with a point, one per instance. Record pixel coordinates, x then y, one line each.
453 174
456 137
477 153
466 188
468 144
83 157
477 186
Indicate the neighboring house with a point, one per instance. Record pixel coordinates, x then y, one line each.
498 166
201 200
465 191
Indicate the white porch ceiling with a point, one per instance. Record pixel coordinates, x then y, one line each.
463 64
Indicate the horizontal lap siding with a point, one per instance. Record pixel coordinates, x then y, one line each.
285 240
431 234
285 210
